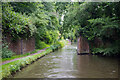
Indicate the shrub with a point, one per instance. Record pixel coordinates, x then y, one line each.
6 53
61 43
58 44
41 45
16 24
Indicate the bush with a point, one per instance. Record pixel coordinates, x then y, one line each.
61 44
110 50
41 45
58 44
6 53
16 24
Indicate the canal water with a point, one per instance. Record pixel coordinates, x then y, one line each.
65 63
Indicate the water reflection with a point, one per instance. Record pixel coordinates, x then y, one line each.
65 63
97 67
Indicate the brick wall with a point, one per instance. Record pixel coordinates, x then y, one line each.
21 46
82 45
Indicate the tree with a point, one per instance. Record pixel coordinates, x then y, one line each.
93 20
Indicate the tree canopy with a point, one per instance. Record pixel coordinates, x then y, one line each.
96 20
50 21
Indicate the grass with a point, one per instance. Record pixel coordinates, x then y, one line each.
18 56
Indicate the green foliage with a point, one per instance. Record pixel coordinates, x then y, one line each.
25 7
43 36
95 20
58 44
49 6
61 43
109 51
55 35
105 27
16 24
41 45
18 56
23 20
46 38
61 7
6 53
46 21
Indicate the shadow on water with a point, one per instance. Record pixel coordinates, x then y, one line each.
65 63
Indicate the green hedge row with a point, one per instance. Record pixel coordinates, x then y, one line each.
13 67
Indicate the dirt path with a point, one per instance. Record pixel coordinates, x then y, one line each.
8 61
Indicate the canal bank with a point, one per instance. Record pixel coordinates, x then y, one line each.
15 66
65 63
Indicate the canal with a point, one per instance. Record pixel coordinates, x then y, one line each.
65 63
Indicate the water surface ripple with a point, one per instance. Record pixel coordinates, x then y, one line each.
65 63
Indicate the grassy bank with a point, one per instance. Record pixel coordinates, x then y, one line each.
15 66
18 56
60 43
